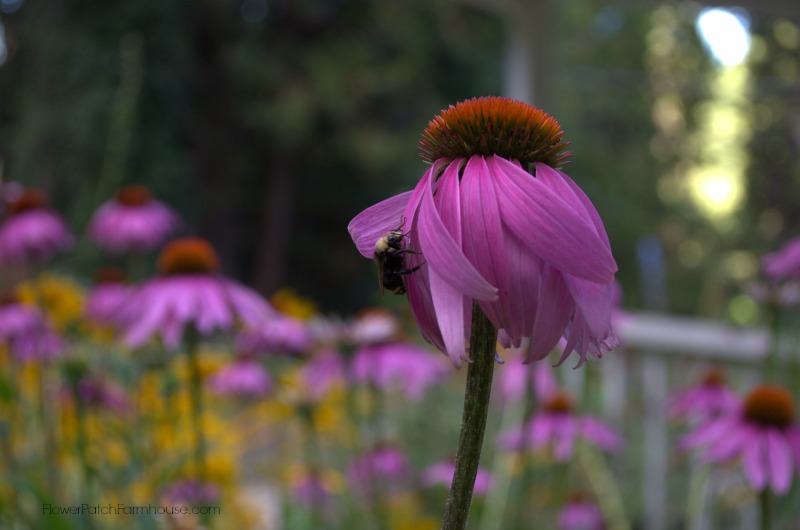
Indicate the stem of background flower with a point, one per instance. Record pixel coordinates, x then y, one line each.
482 347
196 396
80 420
603 485
766 508
48 442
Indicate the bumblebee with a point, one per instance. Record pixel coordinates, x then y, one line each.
389 252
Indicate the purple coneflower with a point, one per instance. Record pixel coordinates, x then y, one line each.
133 221
282 335
558 426
385 467
709 399
243 377
97 392
322 372
31 231
311 490
516 378
397 365
580 513
190 292
442 473
106 299
783 264
373 325
191 491
26 332
492 221
762 433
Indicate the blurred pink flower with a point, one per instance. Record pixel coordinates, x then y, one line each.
762 433
26 332
514 379
580 514
384 467
191 491
783 264
373 325
442 473
133 221
242 377
558 426
30 231
321 373
98 392
189 291
708 399
105 300
309 489
399 366
529 248
281 335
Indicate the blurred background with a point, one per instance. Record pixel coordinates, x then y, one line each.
270 123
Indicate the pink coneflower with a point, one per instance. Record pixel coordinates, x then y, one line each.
191 491
97 392
762 433
310 489
321 373
243 377
708 399
26 333
282 335
384 467
580 514
397 365
31 231
106 299
373 325
558 426
493 221
190 292
515 378
783 264
442 473
133 221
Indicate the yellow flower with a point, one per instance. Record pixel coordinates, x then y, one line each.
286 300
61 298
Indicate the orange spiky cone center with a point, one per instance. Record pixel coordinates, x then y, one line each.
769 405
560 402
30 199
134 195
493 125
189 255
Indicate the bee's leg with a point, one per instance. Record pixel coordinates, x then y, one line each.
409 271
405 251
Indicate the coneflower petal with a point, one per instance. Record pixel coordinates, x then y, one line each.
376 221
550 227
555 307
779 456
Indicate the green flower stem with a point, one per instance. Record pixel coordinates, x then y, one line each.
196 396
765 502
473 422
603 485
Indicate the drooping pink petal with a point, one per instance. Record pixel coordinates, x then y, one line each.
541 429
555 307
600 434
566 431
550 227
376 221
443 254
728 446
709 433
779 457
525 269
448 303
483 241
593 301
754 460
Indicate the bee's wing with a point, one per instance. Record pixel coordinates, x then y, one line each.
379 261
